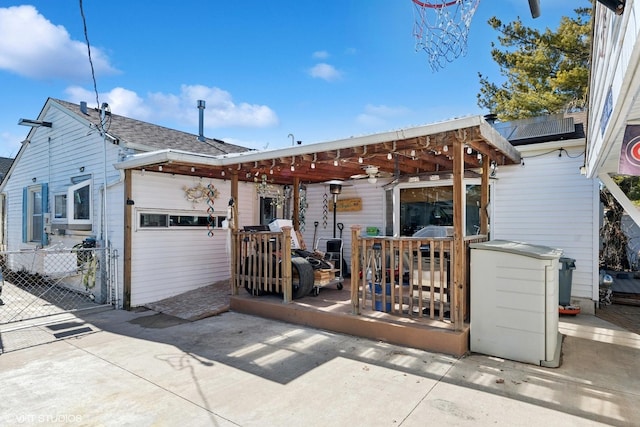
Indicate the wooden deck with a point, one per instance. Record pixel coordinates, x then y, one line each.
332 310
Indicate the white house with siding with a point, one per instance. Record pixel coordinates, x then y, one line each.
54 197
170 239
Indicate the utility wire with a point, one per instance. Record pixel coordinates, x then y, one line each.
93 74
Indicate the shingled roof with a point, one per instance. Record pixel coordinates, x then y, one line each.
5 165
145 136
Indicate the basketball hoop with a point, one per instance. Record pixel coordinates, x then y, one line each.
441 28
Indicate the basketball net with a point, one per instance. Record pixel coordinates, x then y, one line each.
441 28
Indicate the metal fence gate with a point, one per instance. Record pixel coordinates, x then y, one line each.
45 282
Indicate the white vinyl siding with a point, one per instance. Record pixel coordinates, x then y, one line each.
371 215
547 202
167 261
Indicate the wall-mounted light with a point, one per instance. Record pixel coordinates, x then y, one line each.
33 179
335 188
193 169
81 168
160 168
34 123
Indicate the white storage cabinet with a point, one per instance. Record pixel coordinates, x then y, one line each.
514 301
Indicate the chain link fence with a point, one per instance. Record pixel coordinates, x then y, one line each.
45 282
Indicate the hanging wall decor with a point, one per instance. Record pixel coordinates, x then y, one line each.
325 210
211 194
303 207
196 194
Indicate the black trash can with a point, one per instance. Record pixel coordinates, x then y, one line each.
564 281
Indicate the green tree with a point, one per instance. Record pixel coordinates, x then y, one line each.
544 72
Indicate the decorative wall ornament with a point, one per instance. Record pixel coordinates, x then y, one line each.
325 210
199 193
303 207
211 193
267 190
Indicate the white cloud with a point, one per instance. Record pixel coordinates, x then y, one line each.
181 108
10 144
325 71
377 115
31 46
320 54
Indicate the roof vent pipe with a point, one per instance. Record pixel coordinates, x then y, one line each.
491 118
201 107
83 107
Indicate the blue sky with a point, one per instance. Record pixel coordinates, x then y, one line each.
267 69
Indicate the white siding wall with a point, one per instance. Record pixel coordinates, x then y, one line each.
54 156
166 262
548 202
371 215
615 56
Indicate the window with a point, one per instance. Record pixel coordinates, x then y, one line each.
79 203
167 220
35 208
60 206
422 206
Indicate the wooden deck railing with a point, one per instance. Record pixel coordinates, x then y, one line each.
409 276
262 262
404 276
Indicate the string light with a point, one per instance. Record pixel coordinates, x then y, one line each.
469 150
335 163
360 160
413 153
445 148
313 165
389 156
479 156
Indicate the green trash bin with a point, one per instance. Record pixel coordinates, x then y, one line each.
566 276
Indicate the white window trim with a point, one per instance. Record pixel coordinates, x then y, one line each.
420 184
142 211
62 220
70 205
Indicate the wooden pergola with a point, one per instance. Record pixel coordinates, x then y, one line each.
453 147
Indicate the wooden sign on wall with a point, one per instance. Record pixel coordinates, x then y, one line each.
347 205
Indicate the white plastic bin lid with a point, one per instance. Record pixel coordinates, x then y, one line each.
519 248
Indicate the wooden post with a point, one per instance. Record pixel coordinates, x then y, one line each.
234 194
295 218
128 230
484 197
458 234
355 268
233 229
287 288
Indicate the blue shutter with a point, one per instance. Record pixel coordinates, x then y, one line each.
25 211
45 211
